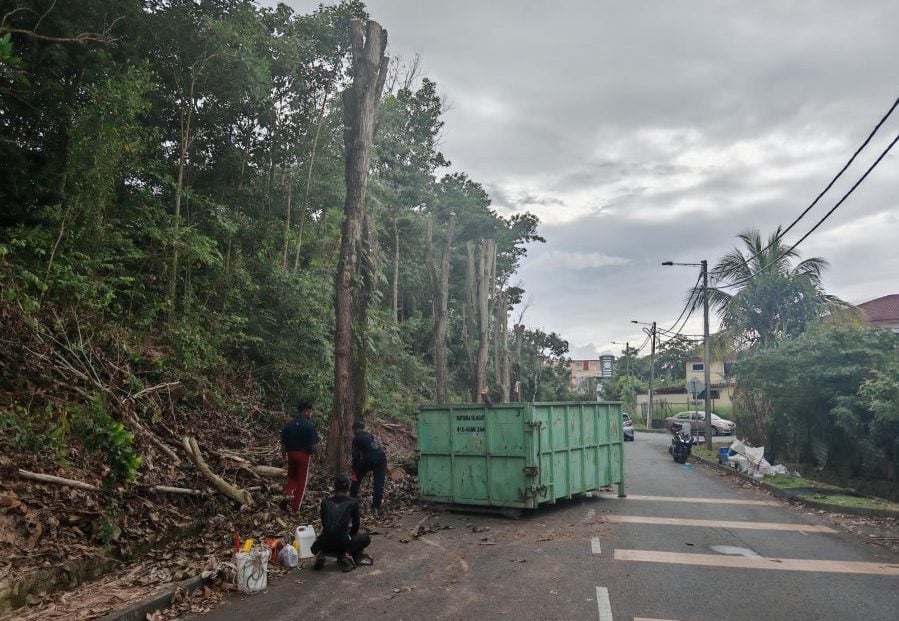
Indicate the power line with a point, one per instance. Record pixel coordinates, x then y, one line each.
839 174
686 306
823 218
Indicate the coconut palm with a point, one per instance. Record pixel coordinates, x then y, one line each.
759 294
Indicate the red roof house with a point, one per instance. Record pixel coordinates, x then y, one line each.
882 312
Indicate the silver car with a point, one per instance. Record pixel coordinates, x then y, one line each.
696 418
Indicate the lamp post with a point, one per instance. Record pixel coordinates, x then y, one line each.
704 272
652 359
627 361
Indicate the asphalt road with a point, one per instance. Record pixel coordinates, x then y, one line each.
651 556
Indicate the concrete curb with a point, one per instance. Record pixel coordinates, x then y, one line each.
786 495
161 600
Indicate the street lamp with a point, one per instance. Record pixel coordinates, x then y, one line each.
652 359
704 272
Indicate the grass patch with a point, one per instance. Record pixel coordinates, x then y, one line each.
785 481
854 501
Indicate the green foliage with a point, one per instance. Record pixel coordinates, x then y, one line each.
32 430
832 395
773 298
100 433
232 111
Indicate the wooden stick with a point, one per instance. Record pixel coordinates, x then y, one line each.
153 389
177 490
221 485
49 478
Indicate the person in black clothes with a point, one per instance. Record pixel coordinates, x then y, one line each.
298 440
368 456
340 534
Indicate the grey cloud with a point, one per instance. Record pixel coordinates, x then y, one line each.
565 108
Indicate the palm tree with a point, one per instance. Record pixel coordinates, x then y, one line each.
769 296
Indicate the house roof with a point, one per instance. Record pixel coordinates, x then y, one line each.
881 310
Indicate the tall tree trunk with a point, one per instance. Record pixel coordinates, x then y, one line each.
179 187
440 302
369 70
501 346
304 208
395 287
286 249
487 267
469 324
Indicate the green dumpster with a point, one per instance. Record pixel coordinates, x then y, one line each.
518 455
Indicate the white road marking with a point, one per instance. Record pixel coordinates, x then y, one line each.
603 604
742 562
640 519
594 545
716 501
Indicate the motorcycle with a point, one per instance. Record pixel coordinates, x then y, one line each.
682 442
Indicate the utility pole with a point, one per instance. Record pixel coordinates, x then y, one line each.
706 358
652 364
706 355
652 359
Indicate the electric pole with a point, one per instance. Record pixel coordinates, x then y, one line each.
652 364
706 357
706 354
652 358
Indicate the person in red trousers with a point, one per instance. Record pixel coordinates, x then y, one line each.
298 440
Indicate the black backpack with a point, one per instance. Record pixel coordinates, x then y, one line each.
337 518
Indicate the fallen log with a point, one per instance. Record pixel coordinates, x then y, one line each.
221 485
165 448
49 478
177 490
270 471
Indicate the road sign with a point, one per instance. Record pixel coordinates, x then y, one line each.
695 386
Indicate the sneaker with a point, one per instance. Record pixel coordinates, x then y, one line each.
319 561
346 563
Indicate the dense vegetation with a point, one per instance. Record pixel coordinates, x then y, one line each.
172 196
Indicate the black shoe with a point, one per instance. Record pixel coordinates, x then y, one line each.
319 561
346 563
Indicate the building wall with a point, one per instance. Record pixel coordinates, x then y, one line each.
583 369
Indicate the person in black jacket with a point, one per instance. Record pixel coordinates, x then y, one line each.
368 456
298 441
340 534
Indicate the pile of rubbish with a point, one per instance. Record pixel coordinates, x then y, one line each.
751 460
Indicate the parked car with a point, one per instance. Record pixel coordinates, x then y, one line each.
627 425
720 426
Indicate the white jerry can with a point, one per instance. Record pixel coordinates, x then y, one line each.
305 535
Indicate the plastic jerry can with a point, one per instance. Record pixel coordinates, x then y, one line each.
305 535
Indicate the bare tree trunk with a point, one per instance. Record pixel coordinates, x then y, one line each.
395 293
287 222
305 206
369 72
501 362
487 267
179 187
440 303
469 325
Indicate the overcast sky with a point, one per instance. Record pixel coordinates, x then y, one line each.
647 131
